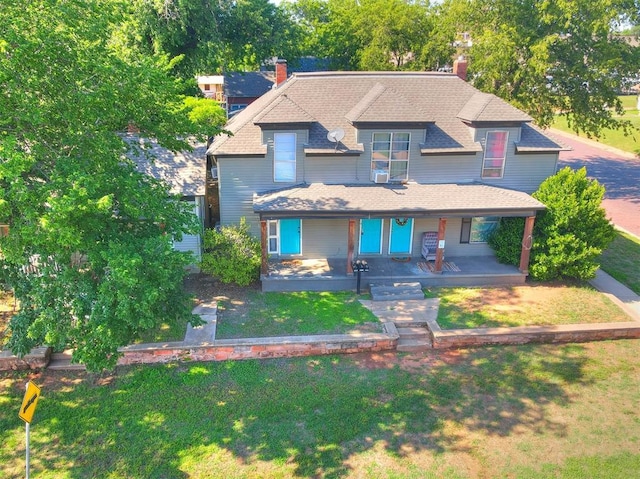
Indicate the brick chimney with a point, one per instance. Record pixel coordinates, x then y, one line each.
460 68
281 71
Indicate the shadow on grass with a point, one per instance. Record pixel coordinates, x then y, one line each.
301 417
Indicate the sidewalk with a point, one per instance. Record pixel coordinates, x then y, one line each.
618 292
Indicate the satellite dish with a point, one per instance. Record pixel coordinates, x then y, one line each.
334 136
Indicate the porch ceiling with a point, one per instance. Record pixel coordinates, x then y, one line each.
411 199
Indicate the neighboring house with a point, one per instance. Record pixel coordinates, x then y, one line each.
243 88
212 86
185 174
345 165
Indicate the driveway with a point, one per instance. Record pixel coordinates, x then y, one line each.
618 171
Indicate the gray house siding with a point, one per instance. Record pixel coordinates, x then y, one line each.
525 172
238 180
325 238
329 238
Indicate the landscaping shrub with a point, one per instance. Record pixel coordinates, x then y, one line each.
568 237
232 254
506 240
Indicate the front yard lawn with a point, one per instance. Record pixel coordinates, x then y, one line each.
529 305
622 260
290 314
523 412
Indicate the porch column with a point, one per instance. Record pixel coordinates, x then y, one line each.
351 241
527 242
264 265
442 228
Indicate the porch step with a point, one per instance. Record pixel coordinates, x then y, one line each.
62 361
396 291
413 339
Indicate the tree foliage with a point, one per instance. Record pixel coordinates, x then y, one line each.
548 57
208 36
231 254
89 251
568 237
372 34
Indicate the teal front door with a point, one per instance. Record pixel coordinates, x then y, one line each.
371 236
400 235
290 236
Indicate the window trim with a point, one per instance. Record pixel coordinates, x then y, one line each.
377 165
275 237
485 169
289 162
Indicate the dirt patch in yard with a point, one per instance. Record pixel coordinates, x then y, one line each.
208 289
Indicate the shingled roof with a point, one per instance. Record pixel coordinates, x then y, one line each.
410 198
323 101
184 172
248 84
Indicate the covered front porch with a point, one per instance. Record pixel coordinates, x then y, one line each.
330 274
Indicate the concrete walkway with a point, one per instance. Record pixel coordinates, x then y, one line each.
206 333
619 293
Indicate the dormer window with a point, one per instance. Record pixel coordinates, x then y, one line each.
390 157
284 157
495 154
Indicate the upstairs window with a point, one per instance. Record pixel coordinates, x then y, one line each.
495 153
390 157
284 157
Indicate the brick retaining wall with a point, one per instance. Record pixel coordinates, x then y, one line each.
37 358
261 348
576 333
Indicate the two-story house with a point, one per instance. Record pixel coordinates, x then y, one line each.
395 168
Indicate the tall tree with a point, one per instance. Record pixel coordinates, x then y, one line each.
549 57
89 251
372 34
208 36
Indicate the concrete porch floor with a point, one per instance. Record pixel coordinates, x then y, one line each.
331 274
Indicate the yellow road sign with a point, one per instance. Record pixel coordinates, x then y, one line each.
29 402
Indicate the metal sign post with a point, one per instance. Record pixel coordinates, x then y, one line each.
27 409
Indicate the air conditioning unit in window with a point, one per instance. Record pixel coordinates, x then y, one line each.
381 177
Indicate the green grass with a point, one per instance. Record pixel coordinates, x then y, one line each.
629 102
615 138
532 411
286 314
535 304
622 260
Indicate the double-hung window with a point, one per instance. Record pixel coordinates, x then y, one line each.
495 153
390 156
284 157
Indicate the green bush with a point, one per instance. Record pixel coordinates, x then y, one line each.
568 237
506 240
232 254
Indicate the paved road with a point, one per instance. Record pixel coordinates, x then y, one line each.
619 172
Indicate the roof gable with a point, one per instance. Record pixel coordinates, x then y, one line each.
383 104
283 111
483 107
